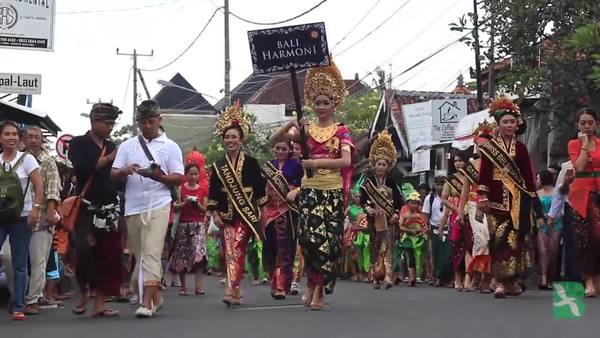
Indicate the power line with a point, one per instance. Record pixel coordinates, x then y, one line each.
127 88
278 22
113 10
357 24
418 63
188 47
375 29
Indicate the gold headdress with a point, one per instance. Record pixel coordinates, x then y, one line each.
502 105
325 81
383 148
485 128
232 116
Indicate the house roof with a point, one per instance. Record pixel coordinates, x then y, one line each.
277 89
26 115
180 101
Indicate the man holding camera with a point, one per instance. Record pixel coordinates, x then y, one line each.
153 166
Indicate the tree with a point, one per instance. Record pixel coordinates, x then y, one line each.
122 134
535 35
358 112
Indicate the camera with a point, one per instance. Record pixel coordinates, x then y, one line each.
148 170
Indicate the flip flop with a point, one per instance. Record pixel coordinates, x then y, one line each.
200 292
79 310
107 313
184 292
18 316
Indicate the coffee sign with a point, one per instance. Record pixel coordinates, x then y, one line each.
291 47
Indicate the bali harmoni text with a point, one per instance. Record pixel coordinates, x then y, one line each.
289 48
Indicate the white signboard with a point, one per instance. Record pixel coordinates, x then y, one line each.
445 115
417 119
421 161
12 83
27 24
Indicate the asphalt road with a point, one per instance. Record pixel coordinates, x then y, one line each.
356 310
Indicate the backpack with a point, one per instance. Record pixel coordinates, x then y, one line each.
12 196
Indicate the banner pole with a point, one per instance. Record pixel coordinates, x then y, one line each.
303 139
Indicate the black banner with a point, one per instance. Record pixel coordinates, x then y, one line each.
504 162
291 47
278 182
455 183
377 198
240 201
470 172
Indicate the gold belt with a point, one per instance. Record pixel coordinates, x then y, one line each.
323 179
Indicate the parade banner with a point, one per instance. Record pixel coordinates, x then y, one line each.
291 47
27 24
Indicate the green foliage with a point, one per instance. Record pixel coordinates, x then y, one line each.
585 42
358 112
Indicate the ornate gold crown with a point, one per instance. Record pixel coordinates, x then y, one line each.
325 81
502 105
383 148
485 128
232 116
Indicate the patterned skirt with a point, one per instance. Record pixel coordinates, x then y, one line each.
510 248
587 237
320 234
189 247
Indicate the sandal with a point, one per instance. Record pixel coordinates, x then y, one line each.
79 309
107 313
184 292
228 300
18 316
200 292
499 293
589 293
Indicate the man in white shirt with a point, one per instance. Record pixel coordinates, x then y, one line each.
440 249
148 198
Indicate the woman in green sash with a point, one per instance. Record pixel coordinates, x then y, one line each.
508 196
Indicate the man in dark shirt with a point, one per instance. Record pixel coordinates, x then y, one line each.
98 243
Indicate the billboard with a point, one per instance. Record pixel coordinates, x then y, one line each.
27 24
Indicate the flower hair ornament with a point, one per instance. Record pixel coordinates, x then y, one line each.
231 117
502 105
325 81
485 129
383 148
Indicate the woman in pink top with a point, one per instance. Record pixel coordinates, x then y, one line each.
584 153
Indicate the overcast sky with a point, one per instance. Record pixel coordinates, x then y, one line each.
84 64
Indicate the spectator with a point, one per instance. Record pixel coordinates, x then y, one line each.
41 239
20 210
154 163
98 243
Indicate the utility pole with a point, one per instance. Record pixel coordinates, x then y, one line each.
135 55
477 56
491 89
227 88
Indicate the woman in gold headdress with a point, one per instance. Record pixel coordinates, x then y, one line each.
236 191
507 195
322 196
382 202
